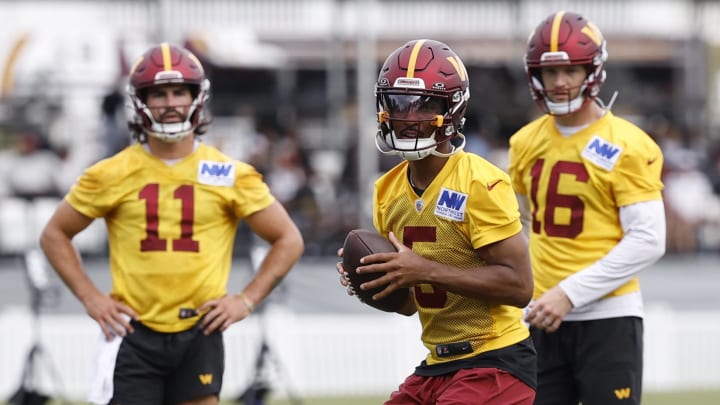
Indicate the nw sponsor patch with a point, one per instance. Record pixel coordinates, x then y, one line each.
216 173
602 153
451 205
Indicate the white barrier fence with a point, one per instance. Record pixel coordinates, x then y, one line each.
330 355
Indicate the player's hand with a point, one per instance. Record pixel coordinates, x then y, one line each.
403 268
548 311
223 312
112 315
344 280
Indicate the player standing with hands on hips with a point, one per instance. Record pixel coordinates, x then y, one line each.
591 185
456 224
172 206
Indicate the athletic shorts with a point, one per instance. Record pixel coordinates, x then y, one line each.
598 362
487 386
154 368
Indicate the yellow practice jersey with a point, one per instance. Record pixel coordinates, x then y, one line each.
575 187
468 205
171 228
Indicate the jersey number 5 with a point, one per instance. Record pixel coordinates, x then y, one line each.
153 243
435 297
554 200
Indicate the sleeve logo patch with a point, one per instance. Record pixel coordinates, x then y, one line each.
492 185
602 153
451 205
216 173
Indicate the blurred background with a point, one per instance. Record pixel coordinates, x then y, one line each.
292 93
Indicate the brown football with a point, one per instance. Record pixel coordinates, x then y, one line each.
358 244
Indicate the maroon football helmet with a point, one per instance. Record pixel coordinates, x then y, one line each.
168 64
565 38
427 79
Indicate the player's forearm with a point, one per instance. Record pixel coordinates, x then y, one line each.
283 254
67 263
499 284
642 245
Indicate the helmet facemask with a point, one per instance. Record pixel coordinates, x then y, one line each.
588 91
421 98
162 65
564 39
413 125
173 131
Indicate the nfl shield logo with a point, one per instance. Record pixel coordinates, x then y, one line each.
419 204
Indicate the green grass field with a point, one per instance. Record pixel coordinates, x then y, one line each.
651 398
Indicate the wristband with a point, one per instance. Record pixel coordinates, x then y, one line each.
247 301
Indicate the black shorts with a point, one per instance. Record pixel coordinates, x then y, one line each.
154 368
597 362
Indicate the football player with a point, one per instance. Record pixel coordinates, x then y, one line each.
591 184
455 222
172 206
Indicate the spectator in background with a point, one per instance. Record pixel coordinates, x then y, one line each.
286 175
477 136
31 169
712 168
591 185
172 206
289 176
115 134
691 205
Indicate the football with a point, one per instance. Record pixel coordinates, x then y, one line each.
358 244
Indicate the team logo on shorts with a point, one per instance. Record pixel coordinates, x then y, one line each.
205 379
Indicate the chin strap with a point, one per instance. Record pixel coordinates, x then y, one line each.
454 150
610 104
418 154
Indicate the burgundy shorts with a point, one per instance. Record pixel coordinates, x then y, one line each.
488 386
